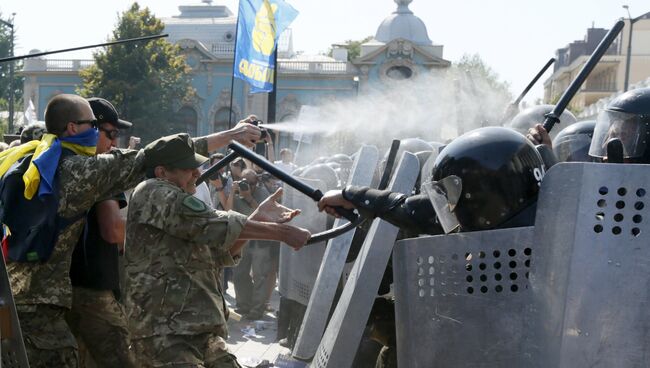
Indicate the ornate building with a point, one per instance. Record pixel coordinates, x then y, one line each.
401 49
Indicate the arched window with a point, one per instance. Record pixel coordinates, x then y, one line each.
189 120
221 119
399 72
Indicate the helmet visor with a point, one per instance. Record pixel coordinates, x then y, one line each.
444 197
629 128
573 148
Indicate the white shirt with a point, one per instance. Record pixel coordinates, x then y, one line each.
288 168
203 193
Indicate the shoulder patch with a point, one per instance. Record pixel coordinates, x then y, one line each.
194 204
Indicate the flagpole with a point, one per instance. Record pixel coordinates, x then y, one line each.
232 76
273 95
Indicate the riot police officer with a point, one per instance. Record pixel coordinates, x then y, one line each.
484 179
488 178
623 129
572 143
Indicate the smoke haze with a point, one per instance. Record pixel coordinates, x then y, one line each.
437 106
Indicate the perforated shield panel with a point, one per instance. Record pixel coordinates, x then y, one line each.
463 300
592 265
321 299
298 270
344 331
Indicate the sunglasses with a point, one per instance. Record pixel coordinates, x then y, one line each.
110 133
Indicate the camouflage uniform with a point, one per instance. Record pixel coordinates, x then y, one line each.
176 245
99 322
42 291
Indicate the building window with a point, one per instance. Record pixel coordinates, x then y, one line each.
189 120
221 119
399 72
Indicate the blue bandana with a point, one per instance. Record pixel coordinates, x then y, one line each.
48 161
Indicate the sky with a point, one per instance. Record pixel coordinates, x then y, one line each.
514 37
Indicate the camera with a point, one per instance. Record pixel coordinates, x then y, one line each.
243 185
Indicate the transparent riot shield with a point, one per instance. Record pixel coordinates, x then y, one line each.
12 346
592 265
298 270
321 299
343 334
464 300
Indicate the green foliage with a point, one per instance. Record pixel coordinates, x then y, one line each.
477 67
354 48
5 90
146 81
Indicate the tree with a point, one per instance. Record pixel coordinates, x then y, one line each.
5 81
482 87
354 48
478 68
147 81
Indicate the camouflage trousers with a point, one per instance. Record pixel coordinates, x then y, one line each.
206 350
48 339
99 322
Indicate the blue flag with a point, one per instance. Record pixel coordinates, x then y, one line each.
261 22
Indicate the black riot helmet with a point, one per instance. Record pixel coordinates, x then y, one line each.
626 119
324 173
344 163
572 143
484 178
342 159
533 115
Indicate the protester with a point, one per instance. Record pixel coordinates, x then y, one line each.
251 292
286 161
32 132
176 309
97 318
220 184
42 290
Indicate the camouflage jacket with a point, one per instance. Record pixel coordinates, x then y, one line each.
82 182
176 245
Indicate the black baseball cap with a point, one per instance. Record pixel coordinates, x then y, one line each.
175 150
105 112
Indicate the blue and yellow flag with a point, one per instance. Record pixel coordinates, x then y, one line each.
261 22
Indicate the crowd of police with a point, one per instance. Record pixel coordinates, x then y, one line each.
490 178
170 309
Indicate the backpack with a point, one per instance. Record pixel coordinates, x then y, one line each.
30 227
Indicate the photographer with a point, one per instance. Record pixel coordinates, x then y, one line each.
251 292
220 185
270 182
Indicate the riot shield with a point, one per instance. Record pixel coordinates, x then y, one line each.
298 270
12 347
343 334
592 264
464 300
320 302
